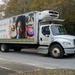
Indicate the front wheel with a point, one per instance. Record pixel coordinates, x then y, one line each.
56 51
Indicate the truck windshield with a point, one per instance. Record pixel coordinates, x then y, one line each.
58 30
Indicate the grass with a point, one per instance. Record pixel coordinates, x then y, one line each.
49 72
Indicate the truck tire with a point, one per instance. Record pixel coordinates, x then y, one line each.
4 48
56 51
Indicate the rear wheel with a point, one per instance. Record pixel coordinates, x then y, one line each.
56 51
4 48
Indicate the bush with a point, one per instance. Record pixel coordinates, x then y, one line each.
70 27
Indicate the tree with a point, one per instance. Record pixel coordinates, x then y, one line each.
2 8
67 11
15 7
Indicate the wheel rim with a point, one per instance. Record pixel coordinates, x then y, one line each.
55 52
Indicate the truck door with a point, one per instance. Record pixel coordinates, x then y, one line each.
44 35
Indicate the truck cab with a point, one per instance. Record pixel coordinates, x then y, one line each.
55 37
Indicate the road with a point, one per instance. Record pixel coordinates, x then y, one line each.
15 61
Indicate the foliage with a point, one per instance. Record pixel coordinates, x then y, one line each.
15 7
70 26
66 9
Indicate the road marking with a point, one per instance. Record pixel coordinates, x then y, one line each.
7 68
2 59
31 64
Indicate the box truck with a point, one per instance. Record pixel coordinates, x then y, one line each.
36 29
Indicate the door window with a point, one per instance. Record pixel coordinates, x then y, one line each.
45 30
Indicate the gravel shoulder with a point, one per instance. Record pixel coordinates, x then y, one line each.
49 72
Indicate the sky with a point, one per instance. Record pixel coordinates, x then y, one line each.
1 2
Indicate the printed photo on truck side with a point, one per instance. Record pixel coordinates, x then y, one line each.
18 27
22 27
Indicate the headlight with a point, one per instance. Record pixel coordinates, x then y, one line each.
66 43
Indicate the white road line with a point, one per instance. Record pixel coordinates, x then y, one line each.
7 68
31 64
2 59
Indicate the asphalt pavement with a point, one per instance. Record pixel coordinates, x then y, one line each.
17 62
6 72
9 67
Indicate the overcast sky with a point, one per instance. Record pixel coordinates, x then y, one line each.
1 2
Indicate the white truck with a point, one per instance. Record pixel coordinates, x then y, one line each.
36 29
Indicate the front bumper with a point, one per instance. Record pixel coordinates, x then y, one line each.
69 50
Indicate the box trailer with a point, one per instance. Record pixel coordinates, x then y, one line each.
36 29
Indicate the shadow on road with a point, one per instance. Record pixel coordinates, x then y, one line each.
70 56
23 52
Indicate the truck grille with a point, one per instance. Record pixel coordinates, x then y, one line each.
74 41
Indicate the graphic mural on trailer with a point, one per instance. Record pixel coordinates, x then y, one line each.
18 27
